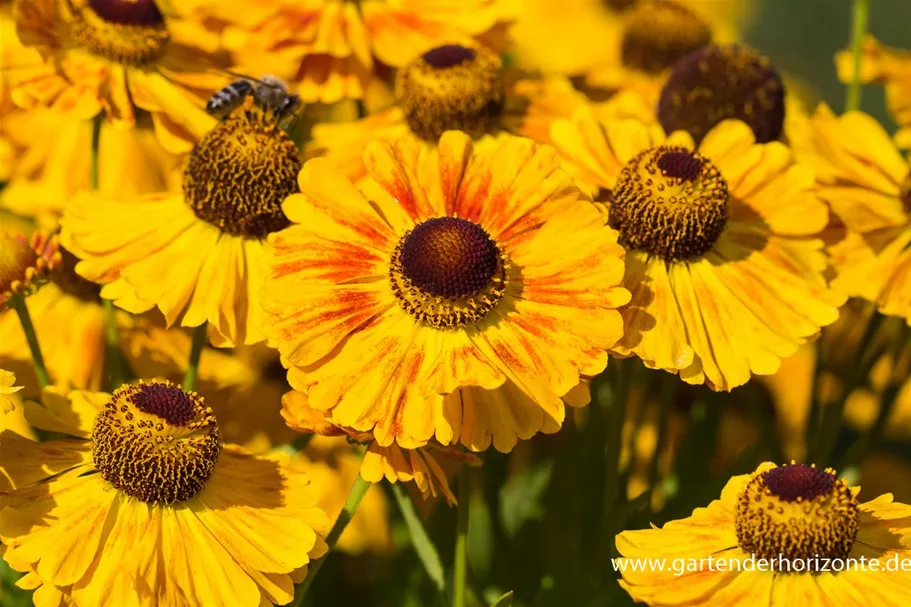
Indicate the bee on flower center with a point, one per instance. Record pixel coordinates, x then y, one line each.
238 175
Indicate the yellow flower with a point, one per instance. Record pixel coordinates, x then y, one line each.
326 48
392 462
7 387
891 68
621 44
867 183
444 300
794 516
333 465
110 517
723 259
195 253
115 56
25 263
450 87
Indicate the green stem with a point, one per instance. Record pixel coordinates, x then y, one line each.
358 490
199 341
18 304
833 414
460 567
889 398
859 20
96 143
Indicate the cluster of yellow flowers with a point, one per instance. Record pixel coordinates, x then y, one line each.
440 247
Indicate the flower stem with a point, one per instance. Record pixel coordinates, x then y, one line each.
18 304
96 143
833 414
199 340
460 567
859 20
357 493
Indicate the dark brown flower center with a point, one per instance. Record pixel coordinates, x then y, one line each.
156 442
448 55
720 82
670 202
448 272
129 32
798 481
797 512
128 12
238 175
619 5
16 257
658 32
449 257
451 87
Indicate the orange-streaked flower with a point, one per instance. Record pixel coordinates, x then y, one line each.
327 49
393 463
115 56
443 300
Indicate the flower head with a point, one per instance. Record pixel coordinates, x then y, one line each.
867 183
724 261
114 56
443 299
195 253
715 83
25 263
144 478
799 519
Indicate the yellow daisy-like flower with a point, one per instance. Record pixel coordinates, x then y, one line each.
451 273
196 253
891 68
326 48
723 259
7 387
115 56
451 87
793 516
393 463
25 263
143 497
867 183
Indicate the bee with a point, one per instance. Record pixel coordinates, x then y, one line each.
270 93
225 101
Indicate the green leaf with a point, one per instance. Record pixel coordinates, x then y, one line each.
425 549
520 497
480 537
503 601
